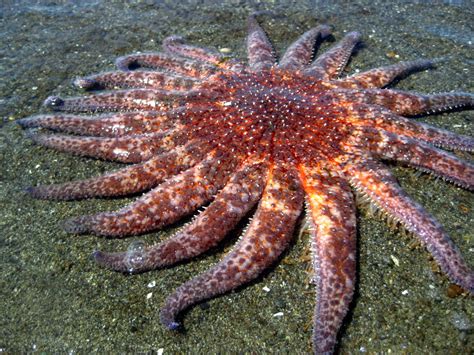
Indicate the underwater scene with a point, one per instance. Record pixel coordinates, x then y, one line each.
237 177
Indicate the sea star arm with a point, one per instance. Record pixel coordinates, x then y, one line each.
299 53
231 204
331 210
369 116
259 49
381 77
125 181
136 79
376 182
107 125
330 64
165 204
177 45
420 155
266 238
409 104
125 149
188 67
123 100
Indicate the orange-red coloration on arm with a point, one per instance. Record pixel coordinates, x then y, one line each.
230 205
266 238
333 246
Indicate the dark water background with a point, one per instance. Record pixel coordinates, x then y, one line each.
53 298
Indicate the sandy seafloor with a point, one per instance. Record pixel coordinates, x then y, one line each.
53 298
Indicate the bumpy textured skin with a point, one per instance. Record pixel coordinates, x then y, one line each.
273 135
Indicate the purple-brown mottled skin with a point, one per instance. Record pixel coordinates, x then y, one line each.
279 136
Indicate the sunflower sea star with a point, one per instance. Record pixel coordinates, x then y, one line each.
281 135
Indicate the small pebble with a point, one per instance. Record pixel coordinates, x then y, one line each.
395 260
454 291
461 321
393 54
151 284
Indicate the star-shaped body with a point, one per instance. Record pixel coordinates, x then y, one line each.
279 136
